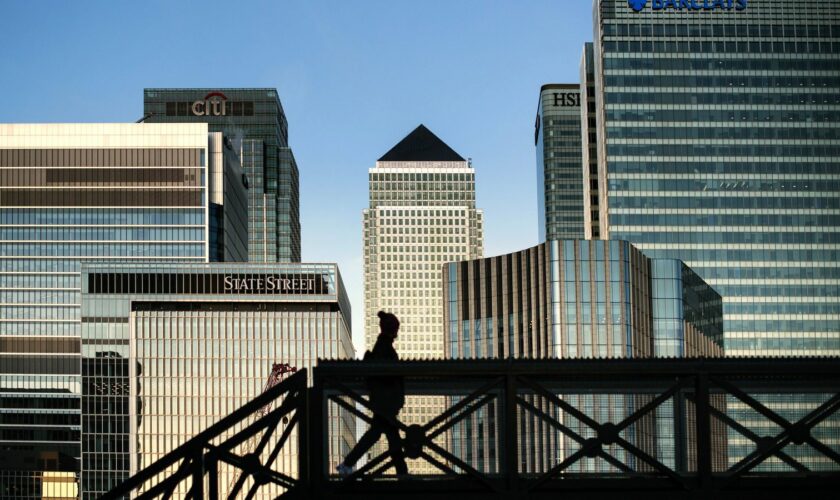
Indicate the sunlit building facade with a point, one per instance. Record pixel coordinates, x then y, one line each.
168 350
719 145
76 193
255 122
576 299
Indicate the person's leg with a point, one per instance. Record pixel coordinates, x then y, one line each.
395 446
368 439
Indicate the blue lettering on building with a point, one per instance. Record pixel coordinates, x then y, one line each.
639 5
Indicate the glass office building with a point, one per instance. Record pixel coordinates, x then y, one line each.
168 350
559 162
589 145
74 193
577 299
255 122
719 133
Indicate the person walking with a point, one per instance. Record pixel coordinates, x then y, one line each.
387 397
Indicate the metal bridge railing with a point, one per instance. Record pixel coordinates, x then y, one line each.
224 462
529 429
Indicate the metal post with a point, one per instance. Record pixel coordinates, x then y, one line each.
212 467
511 445
316 438
704 430
198 474
680 433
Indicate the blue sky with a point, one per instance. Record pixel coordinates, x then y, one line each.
354 78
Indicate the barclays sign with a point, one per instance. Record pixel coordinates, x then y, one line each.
639 5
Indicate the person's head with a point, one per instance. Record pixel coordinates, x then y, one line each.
388 323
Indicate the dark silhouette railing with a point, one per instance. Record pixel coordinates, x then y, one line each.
536 429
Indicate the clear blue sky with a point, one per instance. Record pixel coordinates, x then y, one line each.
354 78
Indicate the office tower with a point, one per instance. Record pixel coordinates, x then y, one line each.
577 299
168 350
74 193
559 162
589 145
255 122
422 214
718 135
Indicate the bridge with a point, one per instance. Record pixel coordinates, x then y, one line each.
507 429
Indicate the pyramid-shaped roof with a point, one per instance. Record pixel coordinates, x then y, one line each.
421 145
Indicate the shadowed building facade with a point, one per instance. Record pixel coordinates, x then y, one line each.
75 193
569 299
255 122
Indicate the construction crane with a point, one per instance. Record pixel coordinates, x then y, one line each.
278 372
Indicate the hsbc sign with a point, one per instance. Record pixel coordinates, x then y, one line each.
213 104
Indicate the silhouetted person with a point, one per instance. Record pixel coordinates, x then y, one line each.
387 397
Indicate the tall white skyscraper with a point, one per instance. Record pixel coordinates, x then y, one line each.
421 215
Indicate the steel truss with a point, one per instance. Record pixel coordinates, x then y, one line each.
541 390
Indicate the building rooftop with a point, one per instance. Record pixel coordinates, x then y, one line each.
421 145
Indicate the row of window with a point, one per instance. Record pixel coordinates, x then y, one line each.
722 30
775 166
720 64
102 157
111 216
680 235
725 81
718 220
102 250
723 98
723 115
722 47
102 234
727 133
728 185
763 203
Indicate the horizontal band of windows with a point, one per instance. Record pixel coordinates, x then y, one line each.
693 200
94 251
112 198
102 157
104 234
715 222
706 149
719 64
729 30
783 309
724 81
26 364
97 216
724 185
644 237
754 252
62 177
646 48
732 135
45 345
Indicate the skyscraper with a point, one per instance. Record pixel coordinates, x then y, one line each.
718 137
559 162
421 215
74 193
255 122
589 145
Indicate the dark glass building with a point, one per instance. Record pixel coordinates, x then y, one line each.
559 162
719 137
75 193
168 350
573 299
255 122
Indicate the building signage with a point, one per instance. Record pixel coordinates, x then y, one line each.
210 284
214 104
639 5
268 284
566 99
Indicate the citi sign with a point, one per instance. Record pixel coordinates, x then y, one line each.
212 105
639 5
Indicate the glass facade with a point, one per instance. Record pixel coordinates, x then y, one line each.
721 149
576 299
255 122
559 162
168 350
75 193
